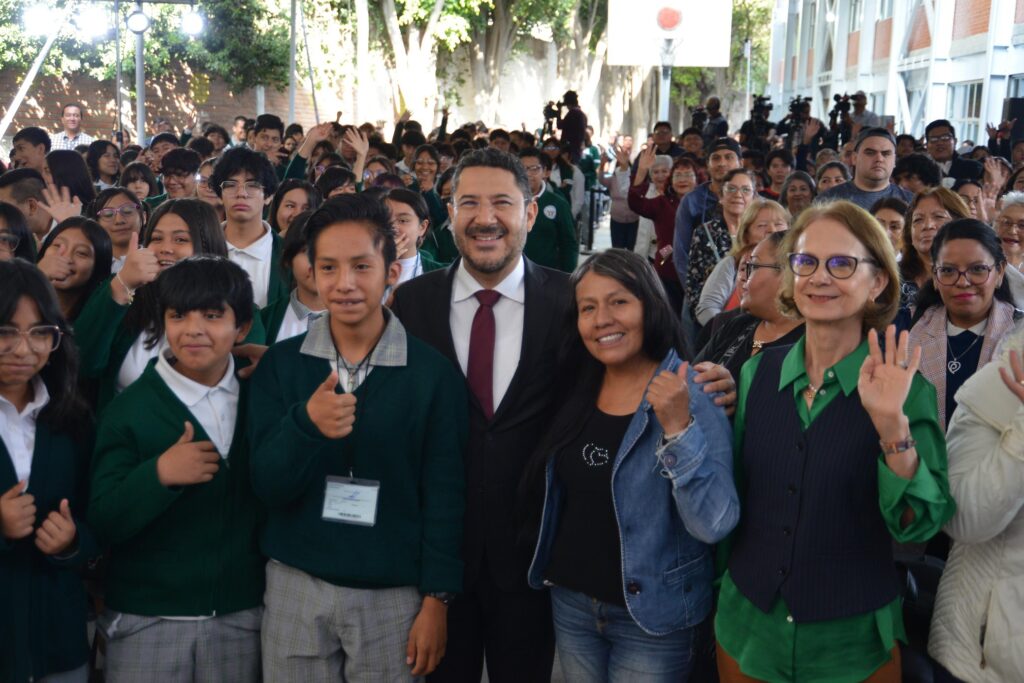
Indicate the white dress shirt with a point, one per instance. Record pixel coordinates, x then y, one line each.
18 429
255 260
508 323
136 360
216 407
411 267
297 318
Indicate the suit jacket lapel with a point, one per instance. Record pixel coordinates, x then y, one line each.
444 337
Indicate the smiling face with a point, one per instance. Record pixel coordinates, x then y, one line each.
929 215
26 155
610 320
490 220
350 273
1009 229
18 367
940 142
966 304
170 240
76 247
971 194
798 197
426 170
736 195
71 118
180 184
822 298
201 342
203 189
292 204
830 178
109 162
758 292
119 226
684 179
721 162
659 176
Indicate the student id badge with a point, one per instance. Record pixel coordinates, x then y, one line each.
351 501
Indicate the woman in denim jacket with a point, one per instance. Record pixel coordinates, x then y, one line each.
638 484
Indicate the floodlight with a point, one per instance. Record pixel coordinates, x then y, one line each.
192 22
39 20
137 21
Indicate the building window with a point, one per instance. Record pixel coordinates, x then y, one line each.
884 9
963 109
856 15
1015 87
877 102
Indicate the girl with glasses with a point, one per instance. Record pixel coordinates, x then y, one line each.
16 240
838 451
121 214
44 454
964 310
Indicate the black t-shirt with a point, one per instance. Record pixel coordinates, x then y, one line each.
586 556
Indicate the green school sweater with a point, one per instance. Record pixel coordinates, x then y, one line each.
409 435
182 551
104 340
552 240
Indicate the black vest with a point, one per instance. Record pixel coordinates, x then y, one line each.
811 528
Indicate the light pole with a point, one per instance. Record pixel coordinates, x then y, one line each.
138 23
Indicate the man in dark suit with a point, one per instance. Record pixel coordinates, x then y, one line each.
497 316
940 141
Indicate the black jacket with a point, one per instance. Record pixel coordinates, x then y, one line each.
497 451
963 168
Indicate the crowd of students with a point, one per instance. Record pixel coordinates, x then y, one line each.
721 450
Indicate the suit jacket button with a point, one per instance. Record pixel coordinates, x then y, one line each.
633 588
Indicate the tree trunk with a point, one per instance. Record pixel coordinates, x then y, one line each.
362 59
415 59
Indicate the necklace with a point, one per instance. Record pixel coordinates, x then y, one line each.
954 365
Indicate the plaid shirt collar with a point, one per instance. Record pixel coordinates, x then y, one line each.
391 350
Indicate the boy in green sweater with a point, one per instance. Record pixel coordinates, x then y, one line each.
358 432
552 239
172 495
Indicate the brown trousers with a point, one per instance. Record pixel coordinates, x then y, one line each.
729 670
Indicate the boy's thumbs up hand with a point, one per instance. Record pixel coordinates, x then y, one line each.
17 512
187 461
57 532
333 414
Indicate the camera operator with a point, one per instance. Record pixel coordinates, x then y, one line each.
841 127
573 124
756 131
716 125
804 135
861 115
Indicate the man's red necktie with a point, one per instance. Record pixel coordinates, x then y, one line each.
480 367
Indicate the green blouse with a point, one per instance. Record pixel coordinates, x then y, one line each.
771 646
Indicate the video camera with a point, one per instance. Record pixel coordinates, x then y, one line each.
552 109
797 105
698 117
762 107
841 107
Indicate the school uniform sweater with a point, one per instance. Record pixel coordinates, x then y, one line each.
174 551
42 598
552 240
409 435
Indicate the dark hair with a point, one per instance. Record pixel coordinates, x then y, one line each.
939 123
138 170
201 146
268 122
97 149
334 177
293 129
128 156
164 137
535 153
963 229
733 172
76 105
33 135
180 160
213 129
661 124
68 170
294 241
244 160
386 181
833 164
354 208
103 251
312 196
691 131
15 223
911 264
384 161
784 154
892 203
66 410
977 182
201 283
489 157
103 198
906 136
414 200
388 150
923 166
413 138
445 177
499 134
1008 187
873 133
429 150
240 117
25 183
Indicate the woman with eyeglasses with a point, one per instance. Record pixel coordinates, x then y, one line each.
116 329
929 210
425 165
206 193
44 471
16 239
965 309
1009 225
122 215
662 210
761 218
761 325
838 451
971 191
714 238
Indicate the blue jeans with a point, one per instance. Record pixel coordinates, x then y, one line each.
598 642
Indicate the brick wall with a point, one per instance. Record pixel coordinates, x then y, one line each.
1018 17
970 18
168 97
883 38
853 49
810 63
920 36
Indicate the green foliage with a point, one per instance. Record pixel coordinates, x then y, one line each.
243 43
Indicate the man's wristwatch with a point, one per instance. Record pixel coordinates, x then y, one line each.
444 598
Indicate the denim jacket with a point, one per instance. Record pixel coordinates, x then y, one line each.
671 503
